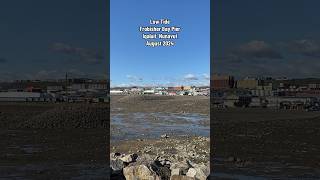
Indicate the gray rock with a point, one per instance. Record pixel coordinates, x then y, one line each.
162 170
116 165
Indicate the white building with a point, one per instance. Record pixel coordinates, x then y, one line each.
19 96
116 91
151 91
83 86
54 88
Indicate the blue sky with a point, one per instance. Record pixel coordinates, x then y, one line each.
266 38
133 63
45 39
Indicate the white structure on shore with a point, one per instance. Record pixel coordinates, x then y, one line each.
20 96
116 91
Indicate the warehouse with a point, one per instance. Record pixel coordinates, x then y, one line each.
19 96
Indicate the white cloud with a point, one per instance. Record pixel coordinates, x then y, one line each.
206 76
190 77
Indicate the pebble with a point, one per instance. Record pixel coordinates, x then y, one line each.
164 136
129 158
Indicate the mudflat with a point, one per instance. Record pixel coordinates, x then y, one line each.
269 143
173 104
53 115
150 116
54 141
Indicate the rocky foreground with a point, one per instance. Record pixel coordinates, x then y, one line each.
166 159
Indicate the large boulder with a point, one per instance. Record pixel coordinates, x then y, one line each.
140 172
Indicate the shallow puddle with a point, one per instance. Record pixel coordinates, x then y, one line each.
152 125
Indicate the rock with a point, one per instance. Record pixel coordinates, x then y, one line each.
200 175
175 171
162 170
139 172
191 164
143 160
114 156
116 165
163 161
129 158
196 173
179 177
148 149
183 166
203 169
191 172
164 136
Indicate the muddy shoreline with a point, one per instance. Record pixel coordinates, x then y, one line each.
53 153
172 128
134 117
266 143
53 141
172 104
248 143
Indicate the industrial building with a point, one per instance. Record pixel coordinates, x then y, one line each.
247 83
20 96
220 82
